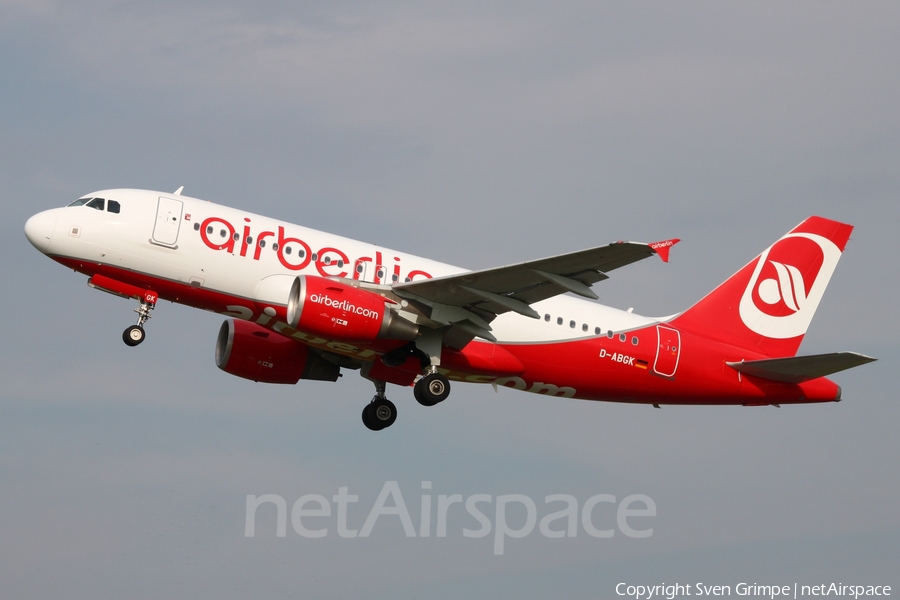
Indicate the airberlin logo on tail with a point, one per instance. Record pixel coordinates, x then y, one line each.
787 284
789 288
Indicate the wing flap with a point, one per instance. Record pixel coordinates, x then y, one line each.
797 369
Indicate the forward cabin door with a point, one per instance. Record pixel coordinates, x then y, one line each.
667 351
168 221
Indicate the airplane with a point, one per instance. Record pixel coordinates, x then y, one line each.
305 304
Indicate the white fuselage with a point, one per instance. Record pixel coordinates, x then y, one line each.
217 248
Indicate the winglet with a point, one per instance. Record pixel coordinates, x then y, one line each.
662 248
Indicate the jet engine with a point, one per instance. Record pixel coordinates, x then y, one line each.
337 311
247 350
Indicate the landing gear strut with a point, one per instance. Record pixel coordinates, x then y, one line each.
380 412
134 335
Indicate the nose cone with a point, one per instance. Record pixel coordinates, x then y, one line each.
39 230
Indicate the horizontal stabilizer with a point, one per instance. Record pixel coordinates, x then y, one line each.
797 369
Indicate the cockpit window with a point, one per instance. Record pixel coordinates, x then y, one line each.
97 203
112 206
80 201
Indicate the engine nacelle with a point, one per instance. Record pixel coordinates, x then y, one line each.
247 350
338 311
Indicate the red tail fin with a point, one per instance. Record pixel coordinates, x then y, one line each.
768 305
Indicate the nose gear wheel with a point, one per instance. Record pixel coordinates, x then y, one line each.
134 335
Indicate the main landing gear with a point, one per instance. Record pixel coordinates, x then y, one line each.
380 412
134 335
429 390
432 388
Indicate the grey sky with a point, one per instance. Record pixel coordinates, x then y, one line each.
477 136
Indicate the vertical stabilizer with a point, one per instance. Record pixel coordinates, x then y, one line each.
769 304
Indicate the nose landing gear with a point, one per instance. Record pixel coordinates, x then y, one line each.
134 335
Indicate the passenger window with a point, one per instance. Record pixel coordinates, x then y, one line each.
547 317
249 240
572 324
287 249
584 327
275 247
596 331
262 243
96 203
223 233
622 337
209 230
196 226
237 236
634 341
609 334
327 260
559 320
113 207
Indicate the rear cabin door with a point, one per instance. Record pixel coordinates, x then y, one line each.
168 221
667 351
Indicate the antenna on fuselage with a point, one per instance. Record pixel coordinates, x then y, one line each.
178 191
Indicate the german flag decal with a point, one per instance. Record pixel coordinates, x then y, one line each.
640 364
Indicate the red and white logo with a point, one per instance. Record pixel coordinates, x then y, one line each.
787 284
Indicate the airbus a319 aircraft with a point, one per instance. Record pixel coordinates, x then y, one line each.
304 304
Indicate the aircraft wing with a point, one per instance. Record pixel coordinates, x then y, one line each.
479 296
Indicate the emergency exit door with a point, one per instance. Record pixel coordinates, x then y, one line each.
667 351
